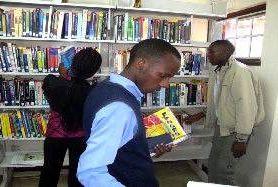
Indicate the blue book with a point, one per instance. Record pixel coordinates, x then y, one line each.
40 24
65 26
67 55
8 24
25 62
196 64
2 60
26 125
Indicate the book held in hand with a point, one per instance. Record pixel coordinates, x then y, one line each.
163 127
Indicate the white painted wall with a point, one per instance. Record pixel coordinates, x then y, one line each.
270 76
261 167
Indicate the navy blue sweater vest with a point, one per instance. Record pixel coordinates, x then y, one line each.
133 166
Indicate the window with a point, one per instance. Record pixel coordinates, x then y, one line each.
247 36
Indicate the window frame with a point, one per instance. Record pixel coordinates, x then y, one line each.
250 12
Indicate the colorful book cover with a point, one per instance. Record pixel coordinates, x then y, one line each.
67 55
163 127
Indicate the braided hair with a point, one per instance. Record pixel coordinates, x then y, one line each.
68 96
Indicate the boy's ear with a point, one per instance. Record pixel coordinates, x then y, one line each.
140 64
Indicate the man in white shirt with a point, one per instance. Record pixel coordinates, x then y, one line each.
232 110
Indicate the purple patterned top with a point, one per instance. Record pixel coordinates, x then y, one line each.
55 128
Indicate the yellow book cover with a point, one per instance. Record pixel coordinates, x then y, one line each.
19 116
3 123
163 127
4 25
171 124
8 125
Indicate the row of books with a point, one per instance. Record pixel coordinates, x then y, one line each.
34 59
91 25
54 23
21 92
132 28
191 62
23 124
178 94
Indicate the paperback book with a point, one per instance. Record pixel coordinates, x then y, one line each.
163 127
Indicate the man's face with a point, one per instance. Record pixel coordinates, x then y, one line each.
214 56
156 75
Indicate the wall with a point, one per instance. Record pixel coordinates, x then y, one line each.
270 64
262 165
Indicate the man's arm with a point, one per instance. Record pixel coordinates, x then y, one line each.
244 97
243 93
113 126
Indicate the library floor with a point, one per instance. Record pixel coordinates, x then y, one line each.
168 173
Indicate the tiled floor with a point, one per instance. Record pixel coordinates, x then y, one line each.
169 174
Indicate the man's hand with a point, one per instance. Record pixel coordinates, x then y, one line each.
193 118
160 149
239 149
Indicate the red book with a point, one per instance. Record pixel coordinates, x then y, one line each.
52 59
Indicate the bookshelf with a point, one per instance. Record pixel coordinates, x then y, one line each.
24 107
64 5
187 150
176 109
55 40
26 74
164 11
16 159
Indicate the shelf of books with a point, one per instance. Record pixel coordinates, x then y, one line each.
34 36
34 75
176 109
24 107
189 44
23 139
25 74
57 40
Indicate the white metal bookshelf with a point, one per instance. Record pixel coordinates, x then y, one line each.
16 159
185 151
24 74
173 108
23 139
114 7
190 77
144 109
56 40
27 74
156 11
24 107
191 44
64 5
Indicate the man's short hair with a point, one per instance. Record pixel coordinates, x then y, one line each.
225 45
152 48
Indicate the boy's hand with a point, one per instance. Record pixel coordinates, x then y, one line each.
160 149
